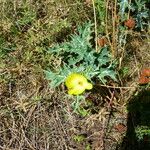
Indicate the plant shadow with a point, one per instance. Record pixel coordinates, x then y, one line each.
138 123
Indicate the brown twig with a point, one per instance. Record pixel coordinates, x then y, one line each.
106 24
95 23
117 87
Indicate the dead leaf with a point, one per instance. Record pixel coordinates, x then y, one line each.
145 76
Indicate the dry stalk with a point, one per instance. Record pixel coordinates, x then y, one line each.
112 42
95 23
106 23
114 29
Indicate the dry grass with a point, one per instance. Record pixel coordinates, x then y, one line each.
34 116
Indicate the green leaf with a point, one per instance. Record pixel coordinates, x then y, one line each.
106 73
79 138
104 57
55 79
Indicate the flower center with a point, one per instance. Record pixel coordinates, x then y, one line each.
80 83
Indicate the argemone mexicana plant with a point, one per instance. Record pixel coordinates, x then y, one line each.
78 56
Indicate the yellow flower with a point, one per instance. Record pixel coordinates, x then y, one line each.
77 84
